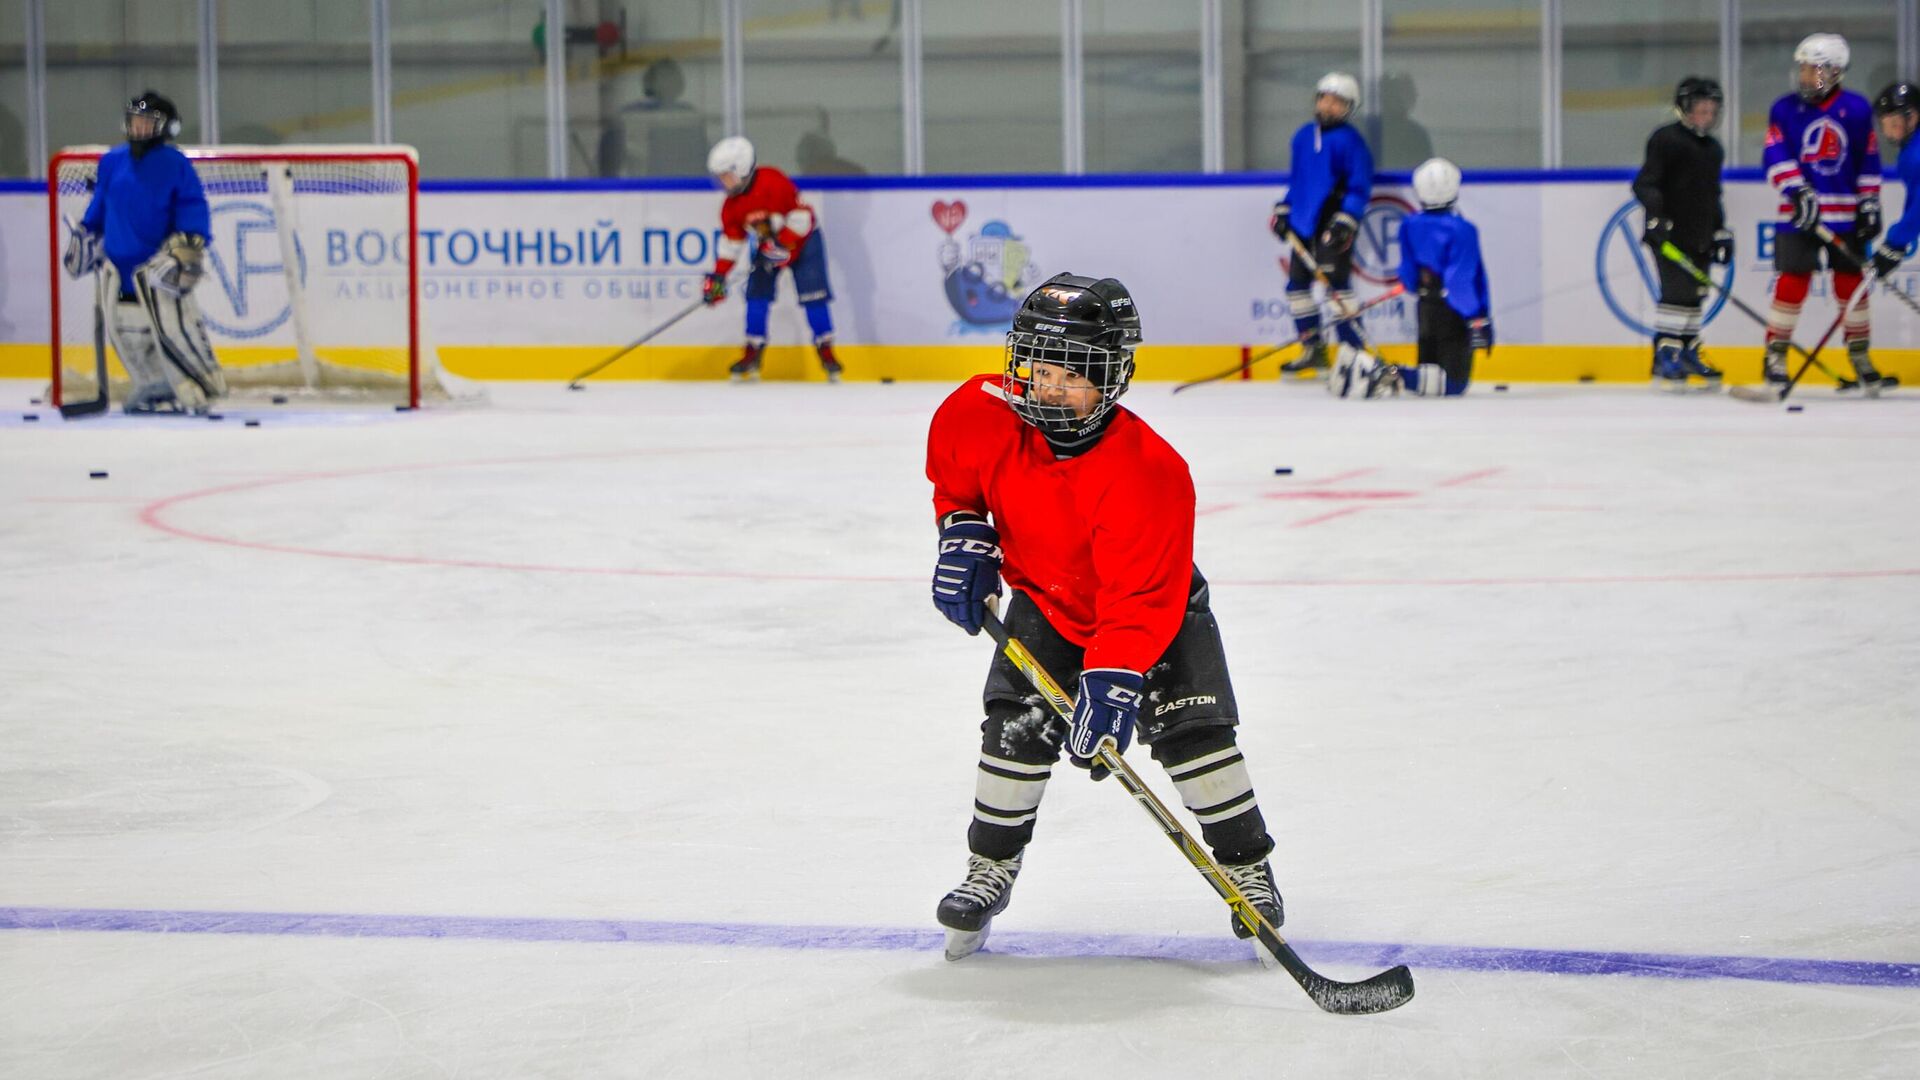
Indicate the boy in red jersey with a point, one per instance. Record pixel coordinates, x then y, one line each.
764 208
1039 475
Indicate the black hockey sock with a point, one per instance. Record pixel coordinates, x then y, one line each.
1019 744
1211 776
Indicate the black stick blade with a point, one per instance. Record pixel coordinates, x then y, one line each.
1388 990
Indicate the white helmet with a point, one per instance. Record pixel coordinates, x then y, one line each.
1830 54
733 154
1436 183
1340 85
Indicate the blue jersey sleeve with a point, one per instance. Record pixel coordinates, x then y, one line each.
95 219
1466 275
190 213
1359 178
1904 231
1409 265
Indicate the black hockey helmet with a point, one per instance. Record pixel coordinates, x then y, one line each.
1901 96
1090 327
1694 89
150 119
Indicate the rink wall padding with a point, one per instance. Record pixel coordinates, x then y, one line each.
540 280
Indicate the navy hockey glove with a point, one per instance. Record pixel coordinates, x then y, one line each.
1480 334
713 289
1108 704
1659 230
1339 234
1722 247
1866 220
1806 207
1280 222
1886 260
968 571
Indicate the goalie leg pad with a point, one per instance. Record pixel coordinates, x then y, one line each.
130 331
181 333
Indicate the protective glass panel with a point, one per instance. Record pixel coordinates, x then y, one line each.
991 76
823 85
1621 62
646 93
295 71
469 87
1473 68
1142 63
101 53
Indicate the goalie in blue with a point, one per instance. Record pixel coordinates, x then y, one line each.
145 234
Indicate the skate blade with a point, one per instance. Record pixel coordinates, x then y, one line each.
964 943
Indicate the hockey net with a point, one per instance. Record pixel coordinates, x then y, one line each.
312 287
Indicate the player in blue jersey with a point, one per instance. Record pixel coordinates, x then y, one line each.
1327 193
1440 262
1898 111
145 231
1823 158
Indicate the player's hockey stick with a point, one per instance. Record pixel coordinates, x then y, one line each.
98 404
1388 990
1248 363
1833 244
1763 393
637 342
1313 267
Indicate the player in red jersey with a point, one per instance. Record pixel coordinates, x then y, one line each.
764 208
1039 475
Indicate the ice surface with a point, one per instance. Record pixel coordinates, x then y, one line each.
613 733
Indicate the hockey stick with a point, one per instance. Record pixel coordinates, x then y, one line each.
100 399
1754 393
637 342
1388 990
1248 363
1833 244
1313 267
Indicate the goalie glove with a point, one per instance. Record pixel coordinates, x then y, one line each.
84 254
180 265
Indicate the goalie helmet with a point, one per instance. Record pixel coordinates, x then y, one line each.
1088 327
1692 90
150 120
1829 55
732 156
1436 183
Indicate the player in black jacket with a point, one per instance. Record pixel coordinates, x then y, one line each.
1679 188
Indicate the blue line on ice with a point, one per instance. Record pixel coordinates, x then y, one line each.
1009 943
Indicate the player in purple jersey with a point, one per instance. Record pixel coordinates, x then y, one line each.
1823 158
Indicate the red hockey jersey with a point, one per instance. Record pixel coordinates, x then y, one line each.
770 203
1101 543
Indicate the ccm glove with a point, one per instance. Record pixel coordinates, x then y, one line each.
1340 233
1806 208
1722 247
1107 707
968 571
1480 334
713 289
1280 221
1866 220
1658 231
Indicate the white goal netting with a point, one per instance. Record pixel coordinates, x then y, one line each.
311 287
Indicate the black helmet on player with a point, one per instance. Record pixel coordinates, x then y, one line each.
1902 96
1692 90
151 120
1088 327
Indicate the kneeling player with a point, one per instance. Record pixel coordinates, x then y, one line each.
1040 475
145 233
1440 262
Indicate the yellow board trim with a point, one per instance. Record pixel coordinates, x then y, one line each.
951 363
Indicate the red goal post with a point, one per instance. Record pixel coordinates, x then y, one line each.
285 311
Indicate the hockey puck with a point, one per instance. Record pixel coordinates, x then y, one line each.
33 401
1795 408
886 379
253 423
97 474
402 408
279 399
1586 378
216 416
1283 470
30 417
1499 388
